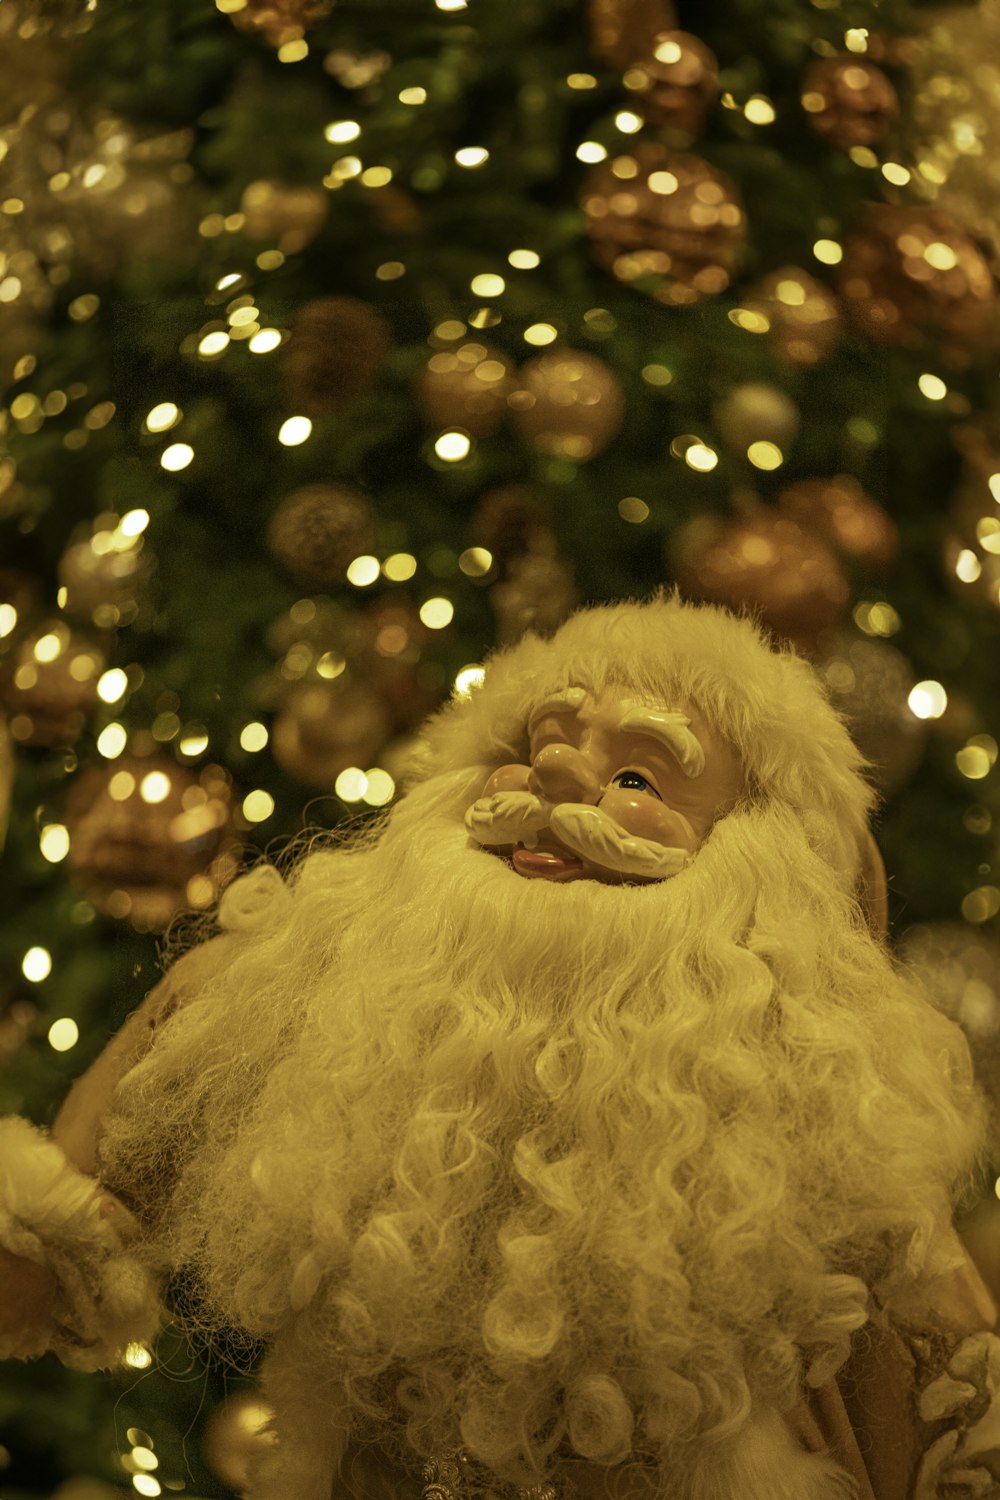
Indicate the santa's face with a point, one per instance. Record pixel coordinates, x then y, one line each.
613 789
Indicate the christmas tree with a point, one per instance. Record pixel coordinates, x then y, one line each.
340 343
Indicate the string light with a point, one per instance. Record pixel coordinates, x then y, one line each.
258 805
253 736
524 260
112 741
363 571
701 458
133 523
138 1357
933 387
111 685
399 566
765 455
487 285
379 787
264 341
154 787
540 334
437 613
633 509
591 152
176 457
829 252
53 841
294 431
63 1034
468 679
36 965
162 417
339 132
351 784
927 700
8 619
453 446
472 156
475 562
213 344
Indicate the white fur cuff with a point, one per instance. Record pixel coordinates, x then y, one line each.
54 1215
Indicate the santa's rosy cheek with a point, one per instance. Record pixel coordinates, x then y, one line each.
648 818
507 779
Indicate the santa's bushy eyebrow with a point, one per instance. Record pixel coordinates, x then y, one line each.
670 728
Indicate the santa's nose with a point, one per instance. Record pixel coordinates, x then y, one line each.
560 773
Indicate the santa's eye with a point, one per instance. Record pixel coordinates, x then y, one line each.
635 781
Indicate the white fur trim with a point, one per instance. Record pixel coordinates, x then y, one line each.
969 1392
257 899
54 1215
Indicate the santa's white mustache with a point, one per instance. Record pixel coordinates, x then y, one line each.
508 818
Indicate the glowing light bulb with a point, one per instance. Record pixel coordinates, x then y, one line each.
928 700
63 1034
36 965
294 431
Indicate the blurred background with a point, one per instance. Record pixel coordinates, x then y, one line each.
340 342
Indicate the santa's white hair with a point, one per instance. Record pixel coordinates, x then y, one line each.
560 1169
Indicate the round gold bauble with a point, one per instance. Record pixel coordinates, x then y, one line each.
465 386
840 510
505 521
317 531
322 728
393 668
804 321
237 1435
767 563
622 31
909 268
869 682
678 82
537 594
148 837
279 21
754 413
567 404
336 351
48 686
665 221
103 586
848 100
289 215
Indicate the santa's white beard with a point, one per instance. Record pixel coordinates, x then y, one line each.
550 1162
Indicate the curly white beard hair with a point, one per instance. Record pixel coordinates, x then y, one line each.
556 1170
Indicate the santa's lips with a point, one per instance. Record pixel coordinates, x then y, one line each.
544 862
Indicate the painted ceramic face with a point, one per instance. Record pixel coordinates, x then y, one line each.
614 790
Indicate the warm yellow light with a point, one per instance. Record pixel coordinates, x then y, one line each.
933 387
475 562
472 156
524 260
36 964
351 784
54 842
264 341
213 343
111 685
967 566
856 39
896 173
163 416
941 256
633 509
981 904
146 1485
700 457
8 619
294 430
487 285
973 762
154 787
134 522
376 177
292 52
928 700
137 1356
242 317
380 787
111 741
540 334
663 183
829 252
413 96
399 566
253 736
437 613
339 132
121 786
177 456
193 741
878 618
362 571
468 679
657 375
628 121
258 805
63 1034
48 647
764 455
582 81
451 4
144 1458
453 446
591 152
224 282
759 110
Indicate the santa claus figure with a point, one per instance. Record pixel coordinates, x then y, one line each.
571 1134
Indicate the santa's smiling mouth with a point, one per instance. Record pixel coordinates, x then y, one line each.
544 862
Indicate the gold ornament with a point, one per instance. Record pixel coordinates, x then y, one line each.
848 100
317 531
279 21
678 82
803 316
665 221
290 216
754 413
49 686
622 31
237 1435
322 728
906 269
839 510
765 561
869 683
537 594
505 522
465 386
148 837
337 349
567 404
